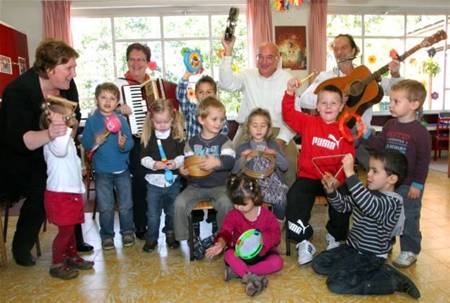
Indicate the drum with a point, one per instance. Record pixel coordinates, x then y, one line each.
249 244
192 164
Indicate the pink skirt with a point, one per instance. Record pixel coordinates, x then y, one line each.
64 208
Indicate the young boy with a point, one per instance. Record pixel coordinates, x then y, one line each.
358 267
205 87
110 162
219 157
407 135
322 148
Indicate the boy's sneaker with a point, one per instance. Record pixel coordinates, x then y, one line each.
79 263
229 274
306 252
108 243
128 240
405 259
63 271
331 242
170 240
149 245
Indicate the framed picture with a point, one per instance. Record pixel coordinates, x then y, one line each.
291 41
5 65
22 65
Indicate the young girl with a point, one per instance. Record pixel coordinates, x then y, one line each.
162 154
258 137
63 198
248 214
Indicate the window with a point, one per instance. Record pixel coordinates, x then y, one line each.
102 42
376 35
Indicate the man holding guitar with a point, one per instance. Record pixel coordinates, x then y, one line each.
345 51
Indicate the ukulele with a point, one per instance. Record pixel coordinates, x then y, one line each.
361 85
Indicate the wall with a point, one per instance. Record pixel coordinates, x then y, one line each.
26 17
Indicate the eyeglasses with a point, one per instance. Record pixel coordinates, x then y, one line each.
137 60
266 58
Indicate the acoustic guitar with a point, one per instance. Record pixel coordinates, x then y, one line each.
361 85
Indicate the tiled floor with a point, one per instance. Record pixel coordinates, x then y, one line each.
129 275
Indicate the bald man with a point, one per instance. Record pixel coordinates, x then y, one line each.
261 87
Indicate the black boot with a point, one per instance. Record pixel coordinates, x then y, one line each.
403 283
81 245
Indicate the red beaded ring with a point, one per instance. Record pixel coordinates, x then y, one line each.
346 132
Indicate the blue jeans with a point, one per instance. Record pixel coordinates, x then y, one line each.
105 185
411 238
159 198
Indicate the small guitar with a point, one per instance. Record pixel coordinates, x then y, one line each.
231 23
361 85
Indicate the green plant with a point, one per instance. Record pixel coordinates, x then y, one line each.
431 67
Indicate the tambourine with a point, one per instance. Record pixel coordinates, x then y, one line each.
192 59
249 244
345 131
267 162
192 164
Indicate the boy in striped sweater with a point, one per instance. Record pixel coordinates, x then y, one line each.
359 266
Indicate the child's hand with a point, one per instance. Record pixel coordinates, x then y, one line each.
99 139
184 171
270 152
292 86
159 165
214 250
413 193
348 165
329 182
57 126
248 154
209 163
171 164
121 140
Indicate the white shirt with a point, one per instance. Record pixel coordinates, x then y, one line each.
258 91
63 165
309 99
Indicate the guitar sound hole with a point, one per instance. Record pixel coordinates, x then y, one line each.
356 88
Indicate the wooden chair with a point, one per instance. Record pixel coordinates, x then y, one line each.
320 200
442 134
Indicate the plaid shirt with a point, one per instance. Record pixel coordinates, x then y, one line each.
189 110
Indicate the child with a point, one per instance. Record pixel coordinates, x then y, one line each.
110 163
259 138
219 155
63 198
248 214
320 138
408 136
205 87
358 267
163 128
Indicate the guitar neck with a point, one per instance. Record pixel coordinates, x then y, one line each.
385 68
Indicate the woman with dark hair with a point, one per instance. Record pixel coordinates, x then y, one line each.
22 139
138 56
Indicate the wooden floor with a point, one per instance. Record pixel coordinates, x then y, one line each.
130 275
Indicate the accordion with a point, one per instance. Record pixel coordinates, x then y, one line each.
140 97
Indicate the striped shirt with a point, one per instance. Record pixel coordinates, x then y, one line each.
375 214
189 111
